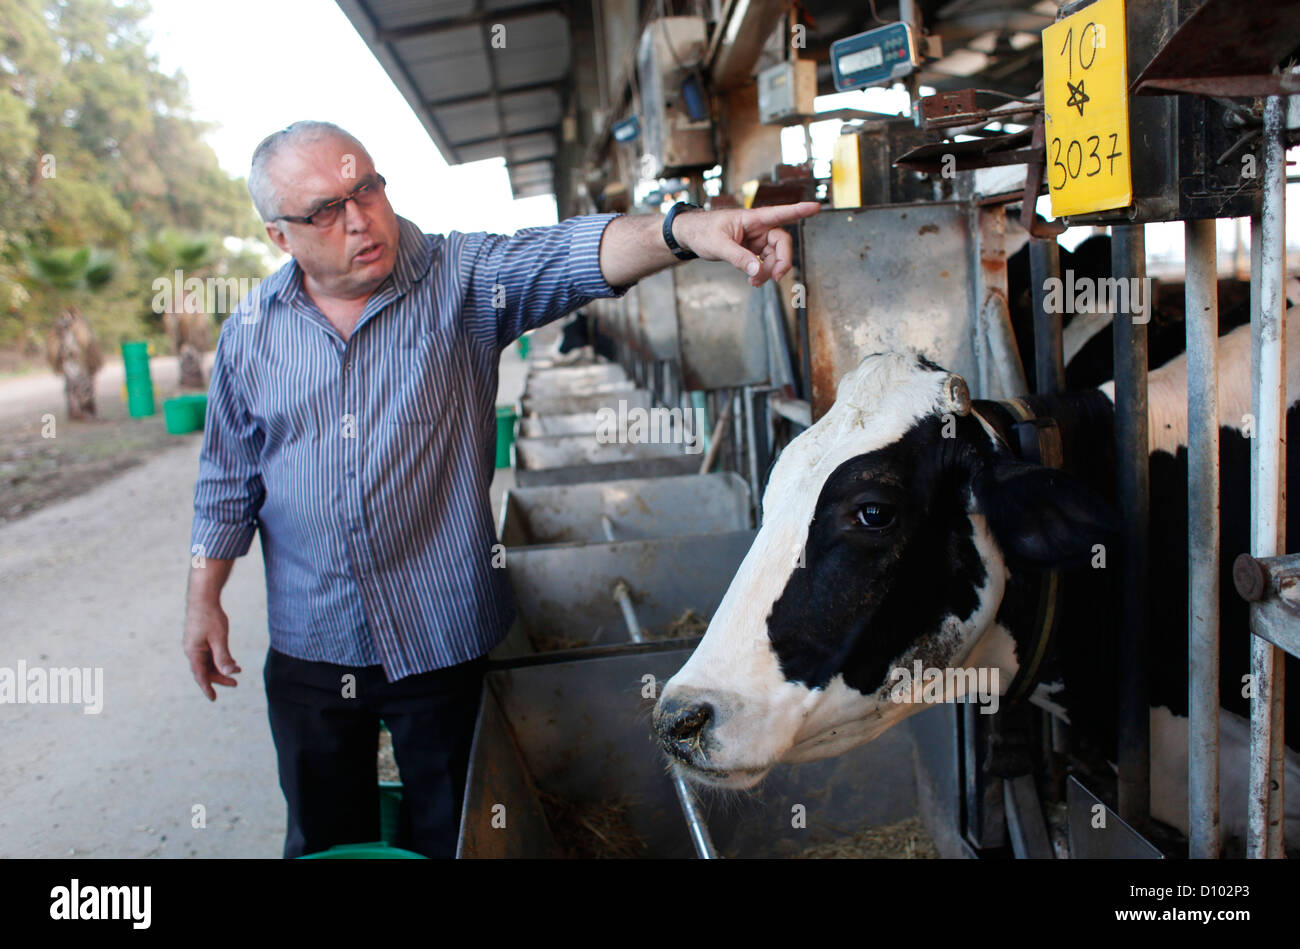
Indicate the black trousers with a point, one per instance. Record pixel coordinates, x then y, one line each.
326 733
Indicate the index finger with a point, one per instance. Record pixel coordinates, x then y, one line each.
781 214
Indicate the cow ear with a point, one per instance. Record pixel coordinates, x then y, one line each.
1042 517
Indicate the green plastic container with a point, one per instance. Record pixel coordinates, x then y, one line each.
373 851
135 355
139 385
184 414
390 803
505 434
140 401
524 344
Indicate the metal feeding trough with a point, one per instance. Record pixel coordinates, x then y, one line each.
566 593
633 509
568 403
571 459
563 764
576 379
579 423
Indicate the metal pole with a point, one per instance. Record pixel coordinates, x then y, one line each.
690 805
1268 502
624 598
1049 357
1203 537
1132 456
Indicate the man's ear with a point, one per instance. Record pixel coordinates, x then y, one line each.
1042 517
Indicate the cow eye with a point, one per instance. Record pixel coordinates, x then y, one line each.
876 516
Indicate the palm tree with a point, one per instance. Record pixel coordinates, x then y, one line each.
168 254
71 345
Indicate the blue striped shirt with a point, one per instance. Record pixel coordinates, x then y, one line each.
365 464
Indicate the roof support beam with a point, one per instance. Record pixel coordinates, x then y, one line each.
489 139
488 94
478 18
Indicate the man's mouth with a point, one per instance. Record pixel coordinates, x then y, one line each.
369 254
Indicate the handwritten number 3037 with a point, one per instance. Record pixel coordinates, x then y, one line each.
1080 156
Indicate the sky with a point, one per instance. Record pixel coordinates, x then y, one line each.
254 66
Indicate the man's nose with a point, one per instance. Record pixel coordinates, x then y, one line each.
355 218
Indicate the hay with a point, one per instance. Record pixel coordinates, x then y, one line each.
592 830
905 840
544 643
687 626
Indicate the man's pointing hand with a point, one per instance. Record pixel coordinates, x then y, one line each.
753 241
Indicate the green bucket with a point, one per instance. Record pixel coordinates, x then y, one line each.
505 434
185 413
372 851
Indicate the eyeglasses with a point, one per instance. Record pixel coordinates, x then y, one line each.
366 194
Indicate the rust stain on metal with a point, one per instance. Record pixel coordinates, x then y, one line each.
928 229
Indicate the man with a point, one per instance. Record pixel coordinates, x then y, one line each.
351 421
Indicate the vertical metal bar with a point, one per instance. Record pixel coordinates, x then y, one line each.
1132 456
1268 501
751 449
1202 328
1049 355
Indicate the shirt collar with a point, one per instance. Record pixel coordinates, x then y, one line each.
414 257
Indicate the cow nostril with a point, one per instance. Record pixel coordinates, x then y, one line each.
690 722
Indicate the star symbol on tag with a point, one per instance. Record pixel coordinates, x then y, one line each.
1077 96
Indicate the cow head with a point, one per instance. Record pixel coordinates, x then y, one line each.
888 531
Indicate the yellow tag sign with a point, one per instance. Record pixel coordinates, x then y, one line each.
1085 101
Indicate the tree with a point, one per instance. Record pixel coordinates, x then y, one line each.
97 149
70 345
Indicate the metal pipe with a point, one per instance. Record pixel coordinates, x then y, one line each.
1132 457
1202 327
690 805
715 442
624 598
751 451
1268 502
695 824
1049 353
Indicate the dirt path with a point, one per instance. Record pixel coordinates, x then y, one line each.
37 470
98 581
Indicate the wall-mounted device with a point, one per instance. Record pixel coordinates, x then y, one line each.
676 131
875 58
786 91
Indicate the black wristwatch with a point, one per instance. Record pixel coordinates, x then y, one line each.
678 251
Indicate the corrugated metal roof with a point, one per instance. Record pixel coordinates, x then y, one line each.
475 99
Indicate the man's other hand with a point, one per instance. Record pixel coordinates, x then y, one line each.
753 241
206 644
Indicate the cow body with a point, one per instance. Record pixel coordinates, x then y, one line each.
901 529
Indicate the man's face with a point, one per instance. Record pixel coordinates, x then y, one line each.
355 254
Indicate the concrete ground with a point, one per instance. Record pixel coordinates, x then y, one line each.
98 581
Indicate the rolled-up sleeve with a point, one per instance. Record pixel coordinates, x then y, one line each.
229 492
517 283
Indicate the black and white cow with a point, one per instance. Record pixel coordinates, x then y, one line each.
884 542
